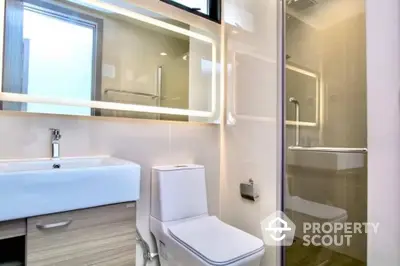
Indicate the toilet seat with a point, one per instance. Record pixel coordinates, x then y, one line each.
314 209
215 242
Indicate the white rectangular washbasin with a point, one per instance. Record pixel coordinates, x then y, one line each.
36 187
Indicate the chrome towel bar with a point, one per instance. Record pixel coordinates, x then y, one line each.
153 96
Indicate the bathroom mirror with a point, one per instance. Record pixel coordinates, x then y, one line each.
303 86
105 58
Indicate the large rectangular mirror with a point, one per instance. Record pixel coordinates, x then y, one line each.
105 58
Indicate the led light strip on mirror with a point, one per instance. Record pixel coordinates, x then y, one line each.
16 97
317 96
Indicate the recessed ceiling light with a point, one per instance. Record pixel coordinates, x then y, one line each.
163 54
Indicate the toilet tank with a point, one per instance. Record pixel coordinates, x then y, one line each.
178 192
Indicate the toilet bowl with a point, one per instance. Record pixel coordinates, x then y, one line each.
185 233
302 211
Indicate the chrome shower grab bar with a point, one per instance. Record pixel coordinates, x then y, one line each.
159 82
297 114
153 96
159 86
329 149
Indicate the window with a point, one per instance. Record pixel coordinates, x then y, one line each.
199 5
210 9
59 51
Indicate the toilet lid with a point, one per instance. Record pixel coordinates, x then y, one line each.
315 209
214 241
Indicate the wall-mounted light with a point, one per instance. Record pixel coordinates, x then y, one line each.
163 54
185 57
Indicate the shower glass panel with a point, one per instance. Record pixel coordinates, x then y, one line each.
325 186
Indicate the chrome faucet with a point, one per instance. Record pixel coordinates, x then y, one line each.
55 143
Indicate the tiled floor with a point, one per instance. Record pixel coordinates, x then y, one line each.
299 255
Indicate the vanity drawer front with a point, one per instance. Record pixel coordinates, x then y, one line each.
102 236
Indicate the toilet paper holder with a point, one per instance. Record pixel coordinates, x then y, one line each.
249 190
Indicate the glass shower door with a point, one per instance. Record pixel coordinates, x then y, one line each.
325 187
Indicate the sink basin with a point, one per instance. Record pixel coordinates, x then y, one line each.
318 158
34 187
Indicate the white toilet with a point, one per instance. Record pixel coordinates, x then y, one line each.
185 233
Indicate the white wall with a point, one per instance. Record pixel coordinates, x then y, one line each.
250 147
145 142
383 70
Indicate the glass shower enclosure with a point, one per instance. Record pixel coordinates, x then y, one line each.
325 186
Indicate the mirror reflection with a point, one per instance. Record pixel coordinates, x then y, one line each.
301 95
74 51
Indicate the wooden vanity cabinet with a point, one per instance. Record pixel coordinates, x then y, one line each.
101 236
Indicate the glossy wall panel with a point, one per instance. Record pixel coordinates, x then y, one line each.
383 68
251 138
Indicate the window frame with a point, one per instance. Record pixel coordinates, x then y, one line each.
214 9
